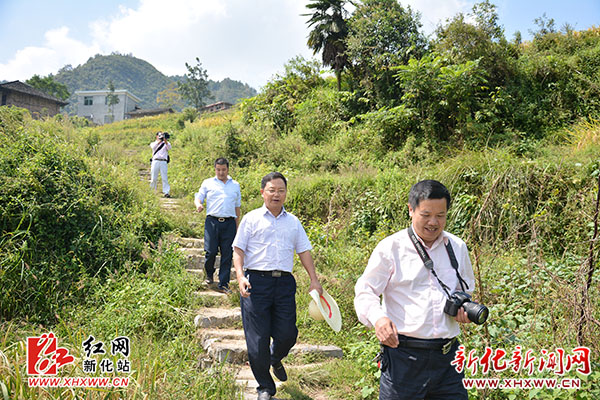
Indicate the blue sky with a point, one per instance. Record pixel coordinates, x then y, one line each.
246 40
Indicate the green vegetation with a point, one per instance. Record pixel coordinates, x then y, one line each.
49 85
511 128
194 87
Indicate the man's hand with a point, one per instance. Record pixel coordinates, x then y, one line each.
462 317
316 285
244 285
386 332
199 207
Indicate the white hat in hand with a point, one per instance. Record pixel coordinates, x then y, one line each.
325 307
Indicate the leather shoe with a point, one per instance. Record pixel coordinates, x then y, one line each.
225 290
209 281
279 371
264 396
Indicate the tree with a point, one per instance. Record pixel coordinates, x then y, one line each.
170 97
194 88
50 86
382 34
329 33
545 26
478 36
111 99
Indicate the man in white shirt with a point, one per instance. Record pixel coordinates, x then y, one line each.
418 338
160 154
223 202
263 256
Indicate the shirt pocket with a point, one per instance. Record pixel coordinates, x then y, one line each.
263 232
289 236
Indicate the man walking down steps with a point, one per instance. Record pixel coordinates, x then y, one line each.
223 202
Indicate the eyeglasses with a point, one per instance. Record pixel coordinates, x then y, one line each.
278 191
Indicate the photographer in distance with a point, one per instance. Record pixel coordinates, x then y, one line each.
425 276
160 159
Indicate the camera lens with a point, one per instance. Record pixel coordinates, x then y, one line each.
476 312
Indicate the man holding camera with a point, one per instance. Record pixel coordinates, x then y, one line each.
160 158
425 277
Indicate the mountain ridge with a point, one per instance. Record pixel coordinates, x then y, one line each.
140 78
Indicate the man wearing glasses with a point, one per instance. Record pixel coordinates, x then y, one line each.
263 257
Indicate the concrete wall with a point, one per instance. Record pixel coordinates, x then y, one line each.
99 112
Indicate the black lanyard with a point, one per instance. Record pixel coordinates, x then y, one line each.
157 150
428 263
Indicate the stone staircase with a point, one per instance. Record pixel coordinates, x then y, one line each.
220 331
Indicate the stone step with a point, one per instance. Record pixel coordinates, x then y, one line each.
195 257
189 242
230 345
199 272
192 251
217 317
245 379
171 201
211 294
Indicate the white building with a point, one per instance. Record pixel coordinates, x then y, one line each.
93 105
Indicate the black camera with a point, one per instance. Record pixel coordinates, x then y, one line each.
163 135
476 312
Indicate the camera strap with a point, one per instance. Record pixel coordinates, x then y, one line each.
158 149
428 262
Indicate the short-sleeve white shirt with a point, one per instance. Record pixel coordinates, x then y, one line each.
269 242
222 198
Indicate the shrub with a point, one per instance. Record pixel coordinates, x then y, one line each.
64 220
318 117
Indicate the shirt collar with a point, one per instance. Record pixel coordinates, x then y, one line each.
224 183
266 210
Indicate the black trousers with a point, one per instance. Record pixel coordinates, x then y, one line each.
416 374
218 236
269 312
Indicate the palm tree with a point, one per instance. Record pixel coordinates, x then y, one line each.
329 33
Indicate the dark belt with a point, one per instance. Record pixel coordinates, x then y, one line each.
424 344
221 219
160 159
274 274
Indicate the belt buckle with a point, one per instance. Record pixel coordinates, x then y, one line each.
221 219
276 274
446 348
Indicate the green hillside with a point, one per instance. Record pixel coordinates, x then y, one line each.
137 76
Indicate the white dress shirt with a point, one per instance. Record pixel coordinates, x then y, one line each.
269 242
222 198
163 152
412 297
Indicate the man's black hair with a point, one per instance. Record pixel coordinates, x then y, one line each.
222 161
271 176
428 189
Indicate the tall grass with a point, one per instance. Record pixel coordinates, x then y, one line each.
155 310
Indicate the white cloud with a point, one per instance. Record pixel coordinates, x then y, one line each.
242 40
436 12
58 50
